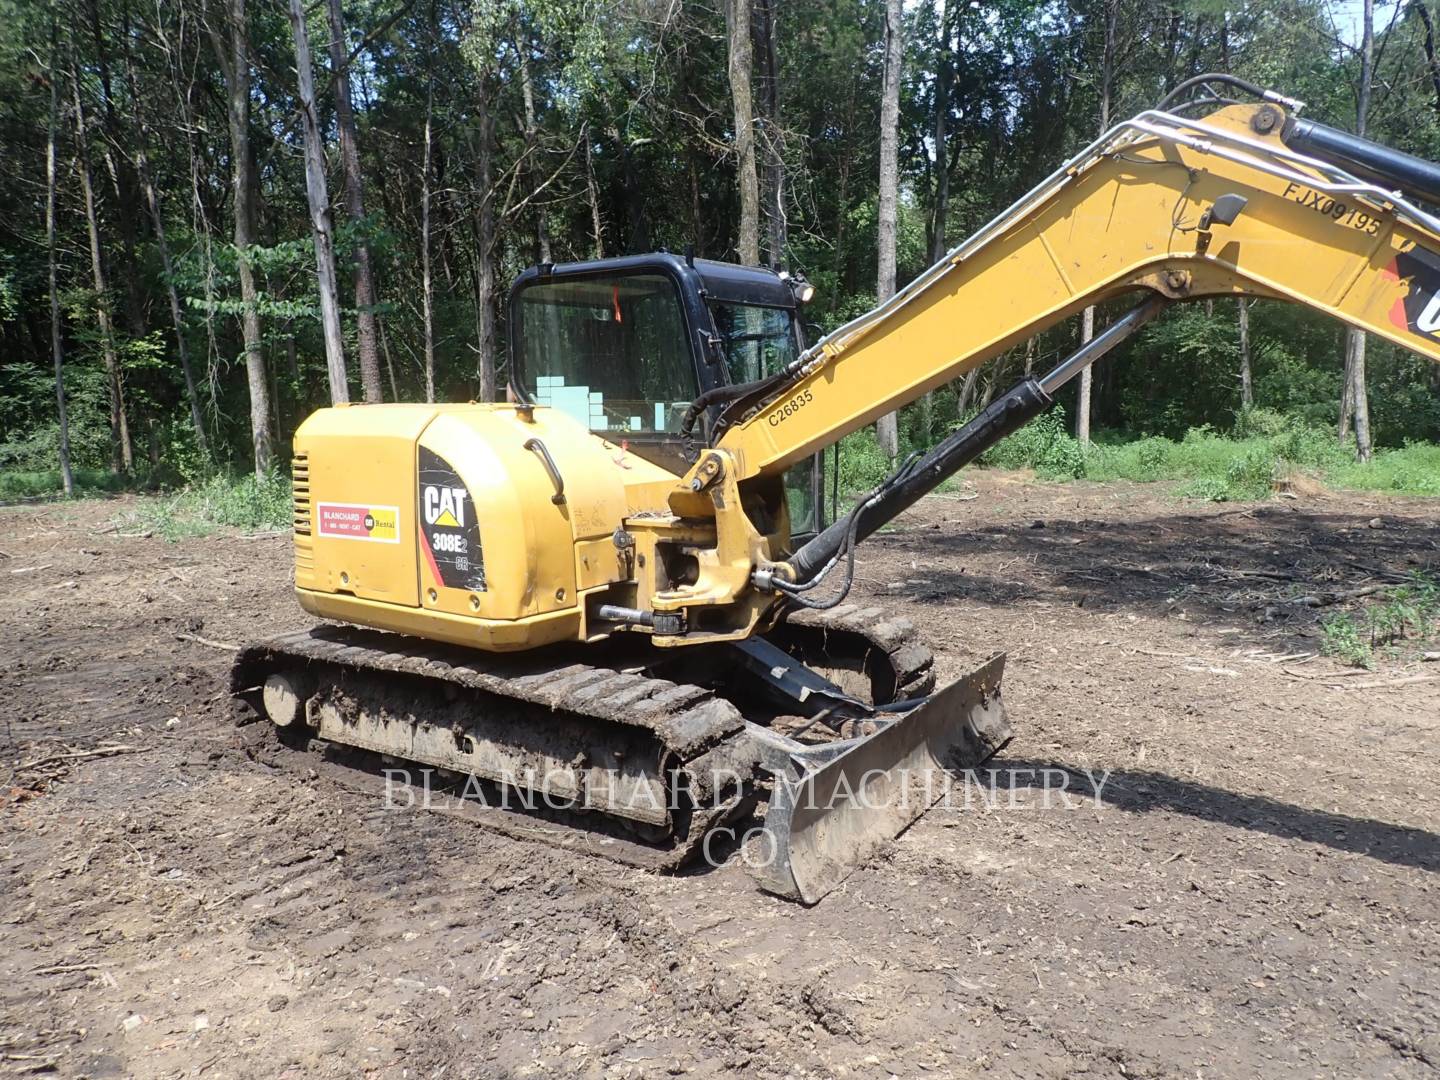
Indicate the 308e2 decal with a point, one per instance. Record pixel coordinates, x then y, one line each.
449 531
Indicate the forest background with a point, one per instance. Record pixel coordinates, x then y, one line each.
218 215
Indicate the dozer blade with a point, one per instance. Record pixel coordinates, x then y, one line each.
833 806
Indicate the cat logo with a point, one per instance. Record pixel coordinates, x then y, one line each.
450 540
445 506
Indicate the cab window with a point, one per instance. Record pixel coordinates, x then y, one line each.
758 341
612 351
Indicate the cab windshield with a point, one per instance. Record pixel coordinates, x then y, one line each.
611 351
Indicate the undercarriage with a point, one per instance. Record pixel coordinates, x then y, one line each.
820 742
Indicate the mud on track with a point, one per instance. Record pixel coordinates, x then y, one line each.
1251 891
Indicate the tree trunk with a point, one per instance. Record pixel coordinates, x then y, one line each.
319 200
1082 399
1431 63
1083 402
485 249
199 216
940 211
122 458
842 209
592 193
1356 399
427 284
233 57
157 217
636 188
1247 381
57 344
365 336
771 139
967 392
737 25
887 427
389 364
532 139
938 245
121 182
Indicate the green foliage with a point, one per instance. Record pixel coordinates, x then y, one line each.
862 463
32 444
1188 368
1414 469
1407 613
1265 448
1342 639
1045 445
246 502
632 127
17 485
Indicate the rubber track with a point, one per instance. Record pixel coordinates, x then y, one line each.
911 662
587 834
689 721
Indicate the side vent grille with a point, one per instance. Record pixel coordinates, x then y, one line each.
303 522
300 483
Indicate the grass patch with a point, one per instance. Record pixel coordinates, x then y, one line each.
1266 451
1412 469
1406 614
18 484
246 502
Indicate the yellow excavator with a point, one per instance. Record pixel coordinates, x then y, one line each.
615 599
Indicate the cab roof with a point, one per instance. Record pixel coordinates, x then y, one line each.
723 282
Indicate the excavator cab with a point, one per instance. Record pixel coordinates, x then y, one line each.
625 345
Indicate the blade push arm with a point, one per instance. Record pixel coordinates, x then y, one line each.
1183 208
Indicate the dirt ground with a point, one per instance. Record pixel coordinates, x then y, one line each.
1251 891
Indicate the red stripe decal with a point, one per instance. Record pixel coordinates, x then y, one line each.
430 559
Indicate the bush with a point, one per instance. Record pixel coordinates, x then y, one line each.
246 502
1045 445
1206 488
1341 638
1268 447
1263 423
1404 613
862 463
1252 474
1413 469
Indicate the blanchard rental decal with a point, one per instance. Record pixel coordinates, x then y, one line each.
359 521
449 533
